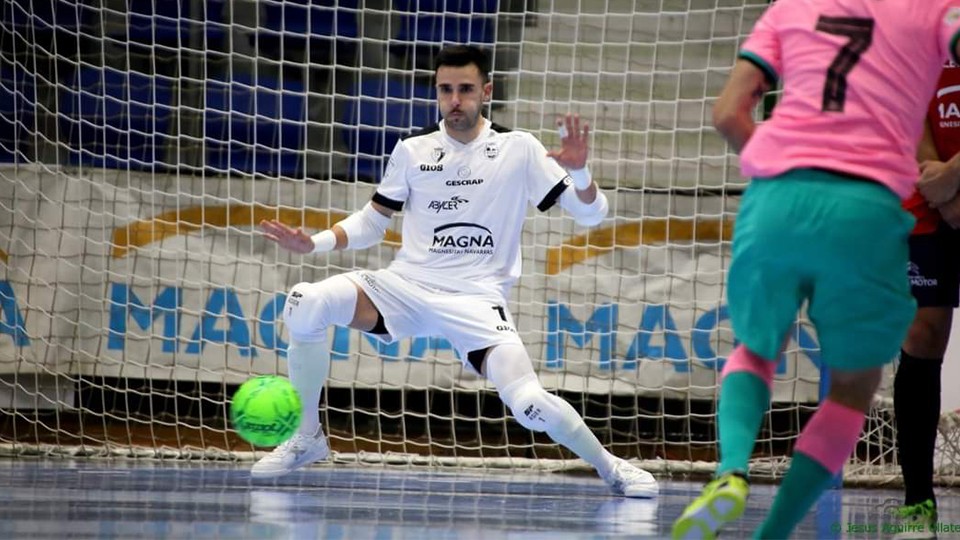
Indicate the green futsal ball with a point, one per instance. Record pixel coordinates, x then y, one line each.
265 410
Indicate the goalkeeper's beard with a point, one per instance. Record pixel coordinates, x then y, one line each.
462 123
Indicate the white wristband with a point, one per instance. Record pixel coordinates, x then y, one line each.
581 178
324 241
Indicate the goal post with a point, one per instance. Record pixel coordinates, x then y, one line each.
142 142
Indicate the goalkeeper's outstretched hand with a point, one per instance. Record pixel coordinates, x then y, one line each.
574 145
293 239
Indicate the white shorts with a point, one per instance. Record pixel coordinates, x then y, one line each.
470 322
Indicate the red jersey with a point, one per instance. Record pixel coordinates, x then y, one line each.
944 118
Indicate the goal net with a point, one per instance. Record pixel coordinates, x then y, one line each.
142 142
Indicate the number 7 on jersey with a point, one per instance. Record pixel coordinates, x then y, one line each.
860 32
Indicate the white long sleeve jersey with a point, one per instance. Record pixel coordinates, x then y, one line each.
464 205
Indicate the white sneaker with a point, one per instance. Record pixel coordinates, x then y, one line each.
300 451
630 481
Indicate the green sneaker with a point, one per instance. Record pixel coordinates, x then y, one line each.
722 501
917 521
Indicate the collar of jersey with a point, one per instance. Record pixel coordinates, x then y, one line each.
486 127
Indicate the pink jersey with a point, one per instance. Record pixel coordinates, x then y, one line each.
858 77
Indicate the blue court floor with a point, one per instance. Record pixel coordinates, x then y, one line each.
125 499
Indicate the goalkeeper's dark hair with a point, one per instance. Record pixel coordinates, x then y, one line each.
464 55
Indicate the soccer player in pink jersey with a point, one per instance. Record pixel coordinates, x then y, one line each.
821 223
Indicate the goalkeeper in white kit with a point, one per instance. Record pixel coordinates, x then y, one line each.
464 184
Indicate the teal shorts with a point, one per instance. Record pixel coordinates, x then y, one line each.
836 242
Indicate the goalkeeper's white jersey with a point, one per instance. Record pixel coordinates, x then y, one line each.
464 205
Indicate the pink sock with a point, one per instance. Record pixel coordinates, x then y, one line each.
831 435
741 359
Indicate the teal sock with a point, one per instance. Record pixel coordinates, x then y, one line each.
801 488
744 399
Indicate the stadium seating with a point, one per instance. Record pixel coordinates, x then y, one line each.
17 112
252 126
116 119
296 27
171 22
305 17
373 125
447 21
426 25
255 125
46 15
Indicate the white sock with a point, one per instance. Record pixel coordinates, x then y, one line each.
309 367
580 440
507 364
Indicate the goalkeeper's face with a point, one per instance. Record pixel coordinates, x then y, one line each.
461 94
